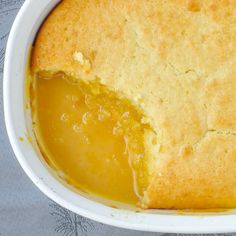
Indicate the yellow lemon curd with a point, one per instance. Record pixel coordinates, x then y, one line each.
91 136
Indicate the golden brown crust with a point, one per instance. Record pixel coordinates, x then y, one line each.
204 178
175 60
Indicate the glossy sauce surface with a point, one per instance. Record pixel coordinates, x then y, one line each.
90 136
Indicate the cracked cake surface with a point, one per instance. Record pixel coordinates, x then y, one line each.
175 61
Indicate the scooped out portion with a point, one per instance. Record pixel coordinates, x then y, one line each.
93 138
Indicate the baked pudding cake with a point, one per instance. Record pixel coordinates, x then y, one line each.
136 100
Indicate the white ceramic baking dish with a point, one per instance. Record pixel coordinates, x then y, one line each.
18 125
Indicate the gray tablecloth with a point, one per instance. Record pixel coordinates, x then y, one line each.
24 210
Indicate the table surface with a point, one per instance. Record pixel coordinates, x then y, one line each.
24 210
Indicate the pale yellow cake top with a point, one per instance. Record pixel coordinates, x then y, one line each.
176 61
